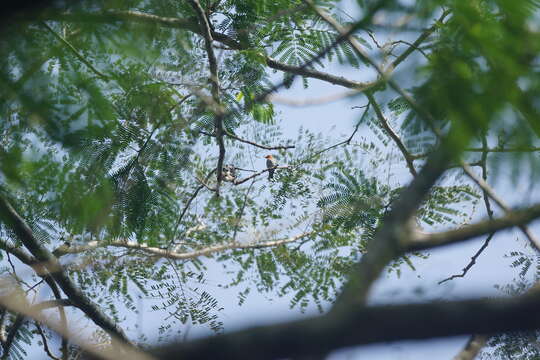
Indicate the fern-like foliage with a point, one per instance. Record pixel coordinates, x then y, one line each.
354 201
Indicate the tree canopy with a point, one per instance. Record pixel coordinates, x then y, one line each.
133 136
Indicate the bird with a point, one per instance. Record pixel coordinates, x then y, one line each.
228 173
271 163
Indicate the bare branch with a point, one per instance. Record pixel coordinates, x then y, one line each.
472 262
344 142
487 203
311 73
472 348
75 52
488 190
241 181
15 327
348 328
416 44
390 132
232 136
16 223
45 342
118 349
512 218
168 254
206 31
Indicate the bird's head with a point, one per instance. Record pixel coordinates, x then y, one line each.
268 157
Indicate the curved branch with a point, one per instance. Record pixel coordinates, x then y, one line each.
23 232
510 219
168 254
45 342
471 263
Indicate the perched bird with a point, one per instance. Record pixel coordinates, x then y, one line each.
271 163
228 173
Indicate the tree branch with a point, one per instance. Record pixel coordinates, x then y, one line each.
390 132
491 193
75 52
168 254
266 147
472 348
23 232
489 211
188 24
15 327
415 45
348 328
472 262
388 240
498 150
206 31
311 73
48 304
45 342
510 219
241 181
116 350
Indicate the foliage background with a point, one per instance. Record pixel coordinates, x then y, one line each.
108 134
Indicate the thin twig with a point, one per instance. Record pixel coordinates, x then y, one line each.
241 181
485 187
241 212
416 44
487 203
394 43
472 262
266 147
390 132
75 52
346 141
45 342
